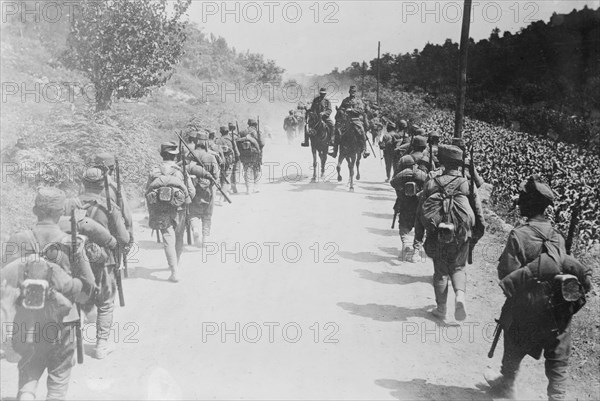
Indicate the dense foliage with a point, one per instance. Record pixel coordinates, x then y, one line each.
126 47
546 77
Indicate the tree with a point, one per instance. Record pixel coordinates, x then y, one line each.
126 47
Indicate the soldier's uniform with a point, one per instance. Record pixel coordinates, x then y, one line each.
93 200
257 134
467 163
449 259
527 334
170 221
290 124
225 142
46 342
411 168
321 106
202 206
355 110
236 167
250 159
387 145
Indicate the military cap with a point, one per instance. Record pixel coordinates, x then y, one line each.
449 152
251 121
104 159
458 142
403 124
192 134
231 126
49 199
203 136
323 90
169 147
223 129
391 124
405 162
536 188
352 88
291 112
419 141
93 175
421 132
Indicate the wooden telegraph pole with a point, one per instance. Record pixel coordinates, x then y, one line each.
378 68
362 85
462 70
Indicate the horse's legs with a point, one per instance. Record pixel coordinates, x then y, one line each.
314 154
358 157
351 160
323 162
339 166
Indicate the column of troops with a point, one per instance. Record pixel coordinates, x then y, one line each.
71 262
436 187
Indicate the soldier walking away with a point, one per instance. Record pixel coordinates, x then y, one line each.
290 124
408 183
225 142
249 149
166 194
43 280
537 316
452 215
255 132
354 108
321 106
202 206
387 145
93 200
236 168
401 145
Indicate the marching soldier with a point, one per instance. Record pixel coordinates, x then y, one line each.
321 106
355 110
467 163
290 124
166 194
93 201
249 149
225 142
452 232
537 249
408 183
46 342
257 135
201 208
236 168
387 145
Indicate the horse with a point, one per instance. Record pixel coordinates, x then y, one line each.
350 146
317 132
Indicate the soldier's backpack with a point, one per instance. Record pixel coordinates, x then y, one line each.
447 214
409 181
166 191
33 274
248 151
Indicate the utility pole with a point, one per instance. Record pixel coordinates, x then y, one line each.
362 85
462 70
378 68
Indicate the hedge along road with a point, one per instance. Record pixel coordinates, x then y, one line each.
299 296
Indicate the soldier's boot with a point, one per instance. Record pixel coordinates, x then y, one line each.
103 348
305 143
173 277
500 385
460 311
439 312
417 255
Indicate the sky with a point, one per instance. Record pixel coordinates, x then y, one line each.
313 37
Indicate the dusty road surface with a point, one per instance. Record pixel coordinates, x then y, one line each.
301 296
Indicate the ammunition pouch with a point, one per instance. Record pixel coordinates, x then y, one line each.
568 296
446 233
34 294
410 189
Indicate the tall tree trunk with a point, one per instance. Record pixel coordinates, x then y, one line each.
103 98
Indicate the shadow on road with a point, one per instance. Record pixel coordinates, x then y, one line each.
381 198
380 189
387 313
147 244
386 216
419 389
392 278
145 273
368 257
315 186
386 232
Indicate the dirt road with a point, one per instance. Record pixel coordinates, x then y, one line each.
301 296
